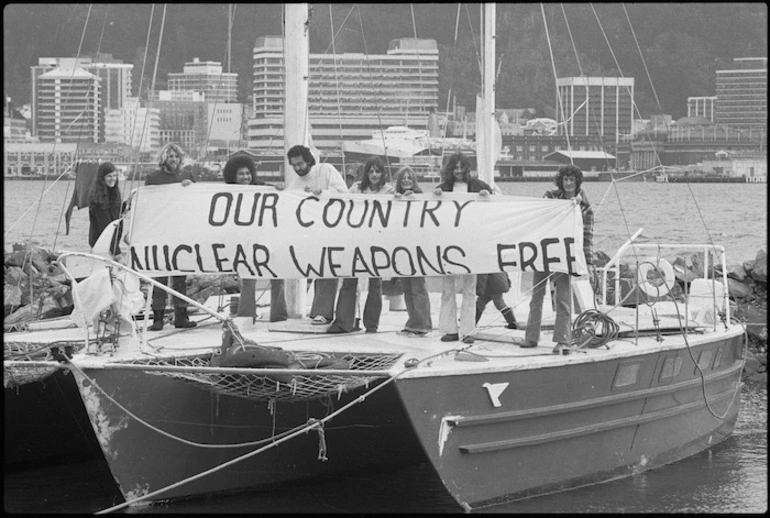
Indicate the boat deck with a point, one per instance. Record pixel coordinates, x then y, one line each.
494 342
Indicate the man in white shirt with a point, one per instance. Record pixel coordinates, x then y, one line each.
315 178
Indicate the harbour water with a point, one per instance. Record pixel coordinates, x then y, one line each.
729 478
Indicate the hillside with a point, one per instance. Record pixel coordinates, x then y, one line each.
682 43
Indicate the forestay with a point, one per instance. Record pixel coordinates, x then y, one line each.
264 233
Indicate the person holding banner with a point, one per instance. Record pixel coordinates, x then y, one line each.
456 177
242 170
315 178
415 294
170 161
373 181
568 182
104 206
491 286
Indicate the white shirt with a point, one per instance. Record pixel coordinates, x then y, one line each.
320 176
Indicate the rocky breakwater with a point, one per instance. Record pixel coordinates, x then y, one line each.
746 287
35 287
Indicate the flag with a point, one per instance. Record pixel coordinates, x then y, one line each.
85 175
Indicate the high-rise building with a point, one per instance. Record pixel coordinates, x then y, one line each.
183 119
114 74
350 95
703 107
742 93
67 102
206 77
602 106
134 125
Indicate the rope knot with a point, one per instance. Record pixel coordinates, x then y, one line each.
321 438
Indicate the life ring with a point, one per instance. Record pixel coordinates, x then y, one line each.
660 266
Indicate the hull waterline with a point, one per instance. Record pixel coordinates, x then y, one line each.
571 425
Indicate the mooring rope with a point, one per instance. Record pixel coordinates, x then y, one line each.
409 365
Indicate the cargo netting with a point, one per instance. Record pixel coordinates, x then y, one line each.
28 362
283 385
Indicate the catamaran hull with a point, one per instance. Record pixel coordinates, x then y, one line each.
142 460
571 425
45 423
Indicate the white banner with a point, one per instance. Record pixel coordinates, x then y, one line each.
264 233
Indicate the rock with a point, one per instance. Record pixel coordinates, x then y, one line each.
736 271
11 295
755 319
600 259
15 258
737 290
23 314
759 273
681 272
752 365
14 275
748 266
39 258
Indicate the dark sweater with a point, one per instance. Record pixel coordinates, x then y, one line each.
161 177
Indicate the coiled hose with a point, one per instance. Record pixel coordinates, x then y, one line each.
592 329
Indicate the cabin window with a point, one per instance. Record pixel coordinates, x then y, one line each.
704 362
626 374
671 367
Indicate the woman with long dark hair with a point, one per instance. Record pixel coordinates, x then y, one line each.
416 297
242 170
374 180
104 205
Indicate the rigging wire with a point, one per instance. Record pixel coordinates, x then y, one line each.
556 80
371 82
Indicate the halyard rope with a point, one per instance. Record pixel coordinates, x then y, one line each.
286 436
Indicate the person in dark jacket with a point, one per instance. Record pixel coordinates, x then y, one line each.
242 170
456 177
170 171
491 286
104 206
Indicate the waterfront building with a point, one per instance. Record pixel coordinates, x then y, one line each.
602 106
742 94
701 107
67 106
350 95
33 159
225 124
183 119
687 141
115 76
206 77
15 127
134 125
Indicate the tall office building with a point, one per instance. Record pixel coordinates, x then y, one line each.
114 74
134 125
602 106
349 95
206 77
67 104
742 94
703 107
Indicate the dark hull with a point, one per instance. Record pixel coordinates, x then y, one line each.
572 425
46 423
371 433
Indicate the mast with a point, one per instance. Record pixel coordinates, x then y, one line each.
296 50
486 155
